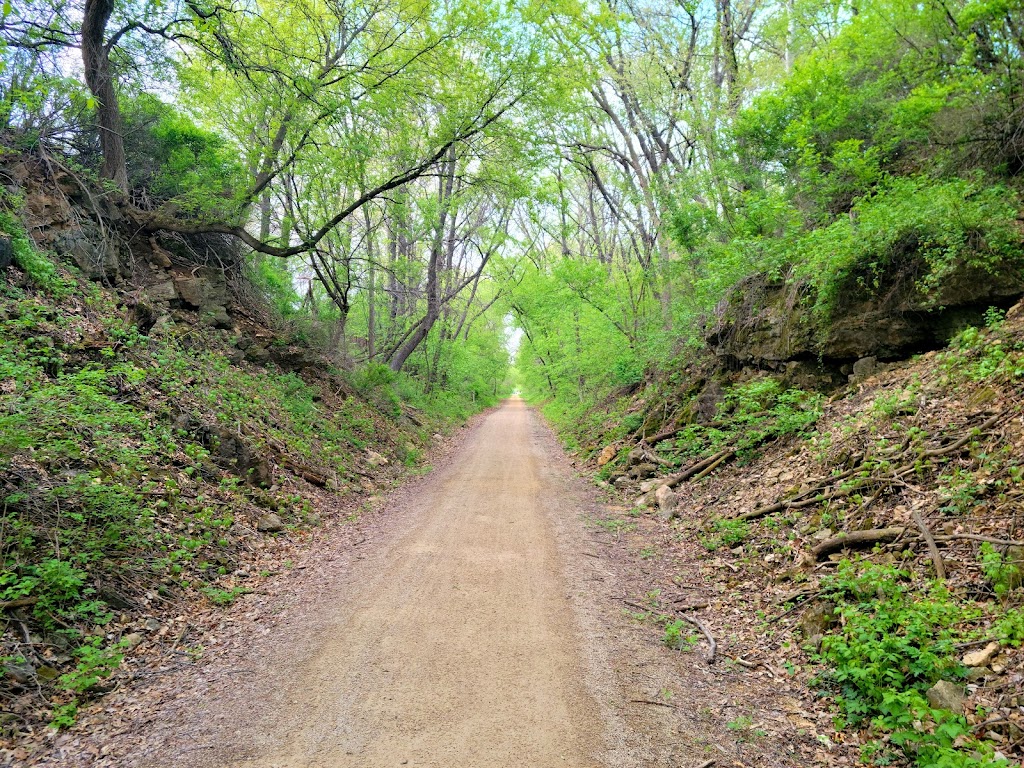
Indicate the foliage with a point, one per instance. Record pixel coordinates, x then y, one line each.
727 533
28 259
107 490
893 642
172 158
676 639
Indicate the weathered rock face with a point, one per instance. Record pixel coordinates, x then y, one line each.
6 253
229 450
946 695
94 251
162 273
206 290
771 323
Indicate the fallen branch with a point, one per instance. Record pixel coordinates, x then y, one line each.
307 473
696 469
653 703
651 456
814 495
956 446
722 459
933 549
712 645
976 537
856 539
21 602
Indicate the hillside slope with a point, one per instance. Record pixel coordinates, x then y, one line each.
164 445
859 557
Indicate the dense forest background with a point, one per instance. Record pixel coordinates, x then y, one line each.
411 179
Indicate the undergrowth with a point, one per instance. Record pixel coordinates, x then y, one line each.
896 638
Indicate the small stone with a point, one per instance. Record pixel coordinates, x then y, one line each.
977 673
47 673
606 455
375 459
822 535
946 695
437 437
152 625
643 471
132 640
649 485
270 523
667 499
982 656
818 618
863 368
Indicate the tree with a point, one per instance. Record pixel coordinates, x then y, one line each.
100 79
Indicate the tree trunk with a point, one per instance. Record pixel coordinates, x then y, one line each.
100 80
437 251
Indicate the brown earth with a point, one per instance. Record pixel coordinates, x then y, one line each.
457 647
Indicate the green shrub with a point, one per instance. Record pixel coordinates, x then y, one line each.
894 642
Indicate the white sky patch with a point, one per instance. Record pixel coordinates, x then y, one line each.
513 337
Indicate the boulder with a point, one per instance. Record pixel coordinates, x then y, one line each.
215 316
162 290
270 523
23 673
667 500
229 450
191 289
864 368
257 354
643 471
607 455
649 485
293 358
981 656
946 695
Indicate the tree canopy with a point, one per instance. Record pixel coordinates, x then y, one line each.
599 175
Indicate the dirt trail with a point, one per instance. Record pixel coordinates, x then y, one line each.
458 647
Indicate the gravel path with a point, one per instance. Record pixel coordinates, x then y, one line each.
452 640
